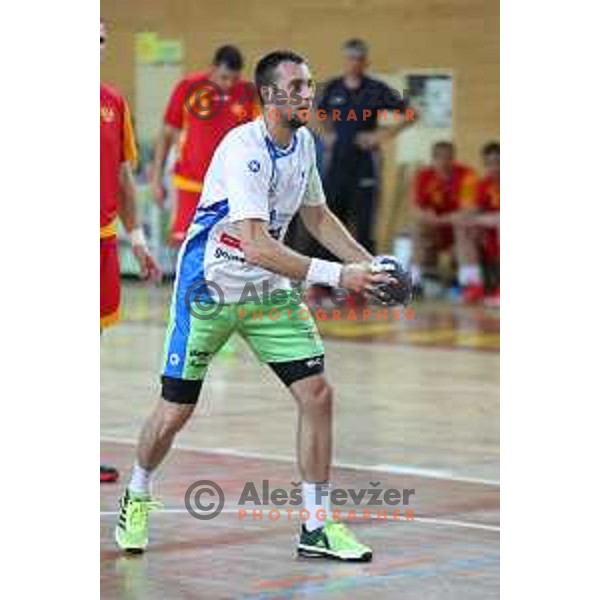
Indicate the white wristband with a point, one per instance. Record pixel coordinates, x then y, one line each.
138 237
324 272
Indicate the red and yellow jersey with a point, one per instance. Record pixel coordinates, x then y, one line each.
444 196
117 145
488 195
204 116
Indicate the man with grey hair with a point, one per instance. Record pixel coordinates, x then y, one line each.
353 137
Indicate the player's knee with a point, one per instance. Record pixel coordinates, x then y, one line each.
172 417
321 397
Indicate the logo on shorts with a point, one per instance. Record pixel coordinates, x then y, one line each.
174 360
254 166
313 362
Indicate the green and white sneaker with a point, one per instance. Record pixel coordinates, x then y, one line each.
333 540
131 532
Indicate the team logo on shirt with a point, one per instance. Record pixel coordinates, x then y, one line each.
254 166
337 100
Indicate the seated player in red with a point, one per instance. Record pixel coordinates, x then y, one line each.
486 221
203 107
443 195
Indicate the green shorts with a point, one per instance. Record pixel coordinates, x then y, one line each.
277 333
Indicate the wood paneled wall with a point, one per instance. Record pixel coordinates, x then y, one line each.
462 35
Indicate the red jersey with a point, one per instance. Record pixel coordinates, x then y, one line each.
488 195
117 145
445 195
204 117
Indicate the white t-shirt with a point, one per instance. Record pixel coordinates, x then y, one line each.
249 177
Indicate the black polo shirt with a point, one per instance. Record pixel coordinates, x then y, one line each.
372 95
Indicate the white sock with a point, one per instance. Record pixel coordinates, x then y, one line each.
469 275
415 272
140 480
316 502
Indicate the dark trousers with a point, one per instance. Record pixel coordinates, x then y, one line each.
355 204
351 187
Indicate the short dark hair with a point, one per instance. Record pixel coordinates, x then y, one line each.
443 145
264 74
490 148
357 45
230 57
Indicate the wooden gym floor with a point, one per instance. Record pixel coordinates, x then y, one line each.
417 407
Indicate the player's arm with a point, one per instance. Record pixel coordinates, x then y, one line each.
485 219
468 201
128 159
167 137
403 117
127 198
127 206
262 250
478 215
329 231
323 225
128 214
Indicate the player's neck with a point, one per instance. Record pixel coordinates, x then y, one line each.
353 81
444 173
280 134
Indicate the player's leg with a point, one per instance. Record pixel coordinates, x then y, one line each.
186 203
188 352
320 535
189 347
469 272
287 339
365 197
110 295
425 250
490 253
110 282
314 398
161 427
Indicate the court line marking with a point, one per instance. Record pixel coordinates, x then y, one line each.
382 468
426 520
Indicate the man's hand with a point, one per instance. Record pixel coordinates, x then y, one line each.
369 140
328 138
398 289
358 277
485 220
430 218
149 268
